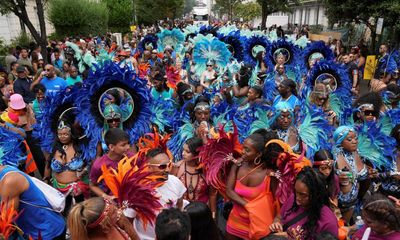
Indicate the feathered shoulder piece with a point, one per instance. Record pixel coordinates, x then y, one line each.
376 147
163 111
8 215
134 187
389 120
315 130
174 38
289 165
213 157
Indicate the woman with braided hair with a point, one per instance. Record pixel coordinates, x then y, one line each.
382 216
99 218
306 212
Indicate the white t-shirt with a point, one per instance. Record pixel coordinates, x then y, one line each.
172 190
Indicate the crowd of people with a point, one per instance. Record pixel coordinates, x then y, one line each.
199 132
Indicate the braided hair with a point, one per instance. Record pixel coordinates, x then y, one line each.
379 208
318 197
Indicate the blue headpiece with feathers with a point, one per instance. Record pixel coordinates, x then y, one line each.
234 40
108 76
173 38
149 39
251 43
316 51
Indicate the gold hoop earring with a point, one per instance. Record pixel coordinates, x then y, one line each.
257 161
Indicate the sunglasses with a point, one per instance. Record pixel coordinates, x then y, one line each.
48 69
114 120
369 112
209 65
161 166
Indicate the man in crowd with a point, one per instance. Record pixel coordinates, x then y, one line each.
25 61
50 80
23 85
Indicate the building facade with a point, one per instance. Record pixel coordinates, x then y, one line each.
310 12
11 27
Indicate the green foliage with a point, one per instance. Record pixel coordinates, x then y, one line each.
247 11
78 17
225 7
149 12
316 29
189 4
23 39
120 14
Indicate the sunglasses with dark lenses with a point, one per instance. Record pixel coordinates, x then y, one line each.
114 120
209 65
369 112
162 166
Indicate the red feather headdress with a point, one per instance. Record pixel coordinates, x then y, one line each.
134 186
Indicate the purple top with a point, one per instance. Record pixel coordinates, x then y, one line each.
336 190
374 236
327 222
95 171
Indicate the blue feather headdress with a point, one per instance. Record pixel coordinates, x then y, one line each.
208 29
164 111
173 38
190 31
340 99
10 148
208 48
252 42
235 41
312 49
105 77
292 54
46 129
149 39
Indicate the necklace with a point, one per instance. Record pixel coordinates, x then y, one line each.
65 147
191 190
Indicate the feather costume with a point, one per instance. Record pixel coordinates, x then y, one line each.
254 42
315 51
292 60
149 40
375 146
108 76
183 133
213 158
134 186
209 48
289 165
234 40
174 38
315 131
389 120
46 129
339 99
163 114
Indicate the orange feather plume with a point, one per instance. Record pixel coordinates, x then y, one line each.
8 215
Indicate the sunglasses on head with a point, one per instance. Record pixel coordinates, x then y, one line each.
161 166
116 120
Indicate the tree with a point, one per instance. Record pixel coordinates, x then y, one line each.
272 6
78 17
149 12
120 14
18 7
247 11
189 4
367 12
226 7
